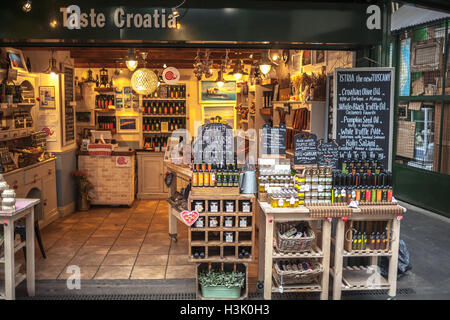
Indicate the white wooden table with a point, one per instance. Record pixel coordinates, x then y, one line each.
268 217
366 278
24 208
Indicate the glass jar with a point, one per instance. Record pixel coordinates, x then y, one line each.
200 223
228 222
214 206
213 222
229 206
246 206
198 206
243 222
229 237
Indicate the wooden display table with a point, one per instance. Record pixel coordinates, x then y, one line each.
267 253
181 176
24 208
367 278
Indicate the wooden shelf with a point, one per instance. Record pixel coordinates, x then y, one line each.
105 110
19 278
313 287
164 99
313 253
367 253
104 89
221 229
17 247
266 111
361 278
163 116
219 259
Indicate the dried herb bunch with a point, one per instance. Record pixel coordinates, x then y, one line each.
213 278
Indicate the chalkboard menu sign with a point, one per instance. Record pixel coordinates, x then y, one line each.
363 104
274 139
68 113
328 154
305 148
214 144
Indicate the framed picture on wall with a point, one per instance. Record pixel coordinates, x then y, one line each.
210 92
319 56
47 96
296 61
306 57
127 124
16 59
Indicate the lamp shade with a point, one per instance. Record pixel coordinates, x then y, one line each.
144 81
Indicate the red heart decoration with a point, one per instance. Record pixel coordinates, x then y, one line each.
189 217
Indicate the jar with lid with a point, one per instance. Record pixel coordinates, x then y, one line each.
229 237
242 222
213 222
199 206
229 206
228 222
214 206
246 206
200 223
314 176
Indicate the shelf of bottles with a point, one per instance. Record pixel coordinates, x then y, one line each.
106 123
163 112
104 101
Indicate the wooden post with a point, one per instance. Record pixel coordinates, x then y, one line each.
268 257
393 262
338 260
10 272
326 239
29 220
261 244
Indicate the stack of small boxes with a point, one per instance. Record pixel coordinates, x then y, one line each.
8 199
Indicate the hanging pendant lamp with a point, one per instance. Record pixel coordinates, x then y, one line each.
144 81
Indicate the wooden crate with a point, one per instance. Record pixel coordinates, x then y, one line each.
371 226
211 240
225 266
208 191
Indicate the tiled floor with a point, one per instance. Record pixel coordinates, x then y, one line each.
117 243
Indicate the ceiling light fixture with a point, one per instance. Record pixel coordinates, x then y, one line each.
220 80
131 60
52 68
26 6
175 11
265 64
144 81
238 71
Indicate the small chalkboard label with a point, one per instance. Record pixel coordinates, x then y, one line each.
328 154
214 144
274 139
305 148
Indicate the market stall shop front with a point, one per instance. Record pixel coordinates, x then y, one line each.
361 27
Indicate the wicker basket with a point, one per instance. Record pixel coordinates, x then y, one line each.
298 277
286 245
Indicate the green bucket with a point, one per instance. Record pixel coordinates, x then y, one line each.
221 292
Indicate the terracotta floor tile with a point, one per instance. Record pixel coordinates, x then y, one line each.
151 260
181 272
49 273
94 249
178 259
53 259
100 241
88 259
179 248
86 273
128 241
106 233
154 249
119 260
148 272
158 240
125 249
134 234
113 272
84 226
137 226
63 248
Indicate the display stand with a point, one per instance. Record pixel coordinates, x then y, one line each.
24 209
180 175
367 278
212 240
267 254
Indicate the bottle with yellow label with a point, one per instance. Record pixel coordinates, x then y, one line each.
200 176
195 177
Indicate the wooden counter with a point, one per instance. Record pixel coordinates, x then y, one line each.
113 179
